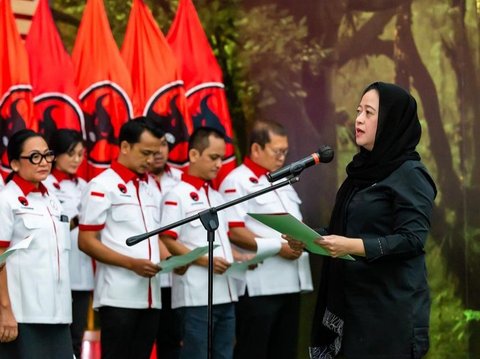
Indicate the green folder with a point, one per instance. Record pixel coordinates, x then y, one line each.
285 223
179 261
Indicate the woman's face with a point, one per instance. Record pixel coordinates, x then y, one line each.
34 173
367 120
70 161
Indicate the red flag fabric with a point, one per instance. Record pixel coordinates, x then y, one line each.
16 99
203 78
104 85
157 87
52 75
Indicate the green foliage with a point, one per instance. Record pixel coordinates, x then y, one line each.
448 325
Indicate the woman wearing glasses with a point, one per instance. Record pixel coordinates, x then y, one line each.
35 299
64 183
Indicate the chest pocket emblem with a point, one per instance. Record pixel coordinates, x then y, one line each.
253 180
194 196
23 201
122 188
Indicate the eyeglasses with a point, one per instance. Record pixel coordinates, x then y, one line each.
278 152
36 158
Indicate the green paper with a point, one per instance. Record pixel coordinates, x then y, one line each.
23 244
287 224
179 261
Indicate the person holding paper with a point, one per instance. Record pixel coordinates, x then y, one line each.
35 298
268 310
169 334
117 204
64 183
189 292
378 306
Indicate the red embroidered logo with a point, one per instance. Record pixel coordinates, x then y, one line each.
122 188
56 185
23 201
194 196
253 180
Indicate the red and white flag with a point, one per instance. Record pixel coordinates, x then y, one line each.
157 87
16 98
199 69
104 85
52 76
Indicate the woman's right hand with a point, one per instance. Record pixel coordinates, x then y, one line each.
8 325
293 243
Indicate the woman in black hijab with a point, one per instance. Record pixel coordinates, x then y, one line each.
378 305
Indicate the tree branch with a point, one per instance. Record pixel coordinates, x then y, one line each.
372 5
365 41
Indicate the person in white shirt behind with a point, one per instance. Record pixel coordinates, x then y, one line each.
63 182
268 307
189 292
117 204
169 334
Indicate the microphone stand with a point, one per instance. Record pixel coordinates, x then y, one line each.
209 219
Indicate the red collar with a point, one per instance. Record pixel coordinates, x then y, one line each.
61 176
166 168
255 168
127 174
196 182
27 187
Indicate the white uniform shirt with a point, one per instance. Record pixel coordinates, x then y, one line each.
2 183
68 190
111 204
170 177
275 275
190 196
38 278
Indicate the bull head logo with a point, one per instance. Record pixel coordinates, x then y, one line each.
99 125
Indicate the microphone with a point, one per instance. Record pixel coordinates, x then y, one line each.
323 155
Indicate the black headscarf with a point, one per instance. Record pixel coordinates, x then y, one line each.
398 133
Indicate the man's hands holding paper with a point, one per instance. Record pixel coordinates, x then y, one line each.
287 252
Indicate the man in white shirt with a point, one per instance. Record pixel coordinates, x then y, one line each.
118 204
268 311
189 292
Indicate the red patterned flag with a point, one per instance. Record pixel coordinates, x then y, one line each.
16 99
157 87
203 77
104 84
52 75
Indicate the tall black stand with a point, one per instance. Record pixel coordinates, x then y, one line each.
209 219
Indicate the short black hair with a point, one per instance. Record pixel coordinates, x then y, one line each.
133 129
261 130
199 138
16 142
15 146
64 140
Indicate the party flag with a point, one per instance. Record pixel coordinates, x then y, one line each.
203 78
157 87
104 85
16 98
52 75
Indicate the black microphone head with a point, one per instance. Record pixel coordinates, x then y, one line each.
326 154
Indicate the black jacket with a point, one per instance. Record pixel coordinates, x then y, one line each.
387 300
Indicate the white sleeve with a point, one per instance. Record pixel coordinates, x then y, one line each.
172 211
94 207
231 189
6 214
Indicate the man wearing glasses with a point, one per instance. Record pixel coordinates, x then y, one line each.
268 312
